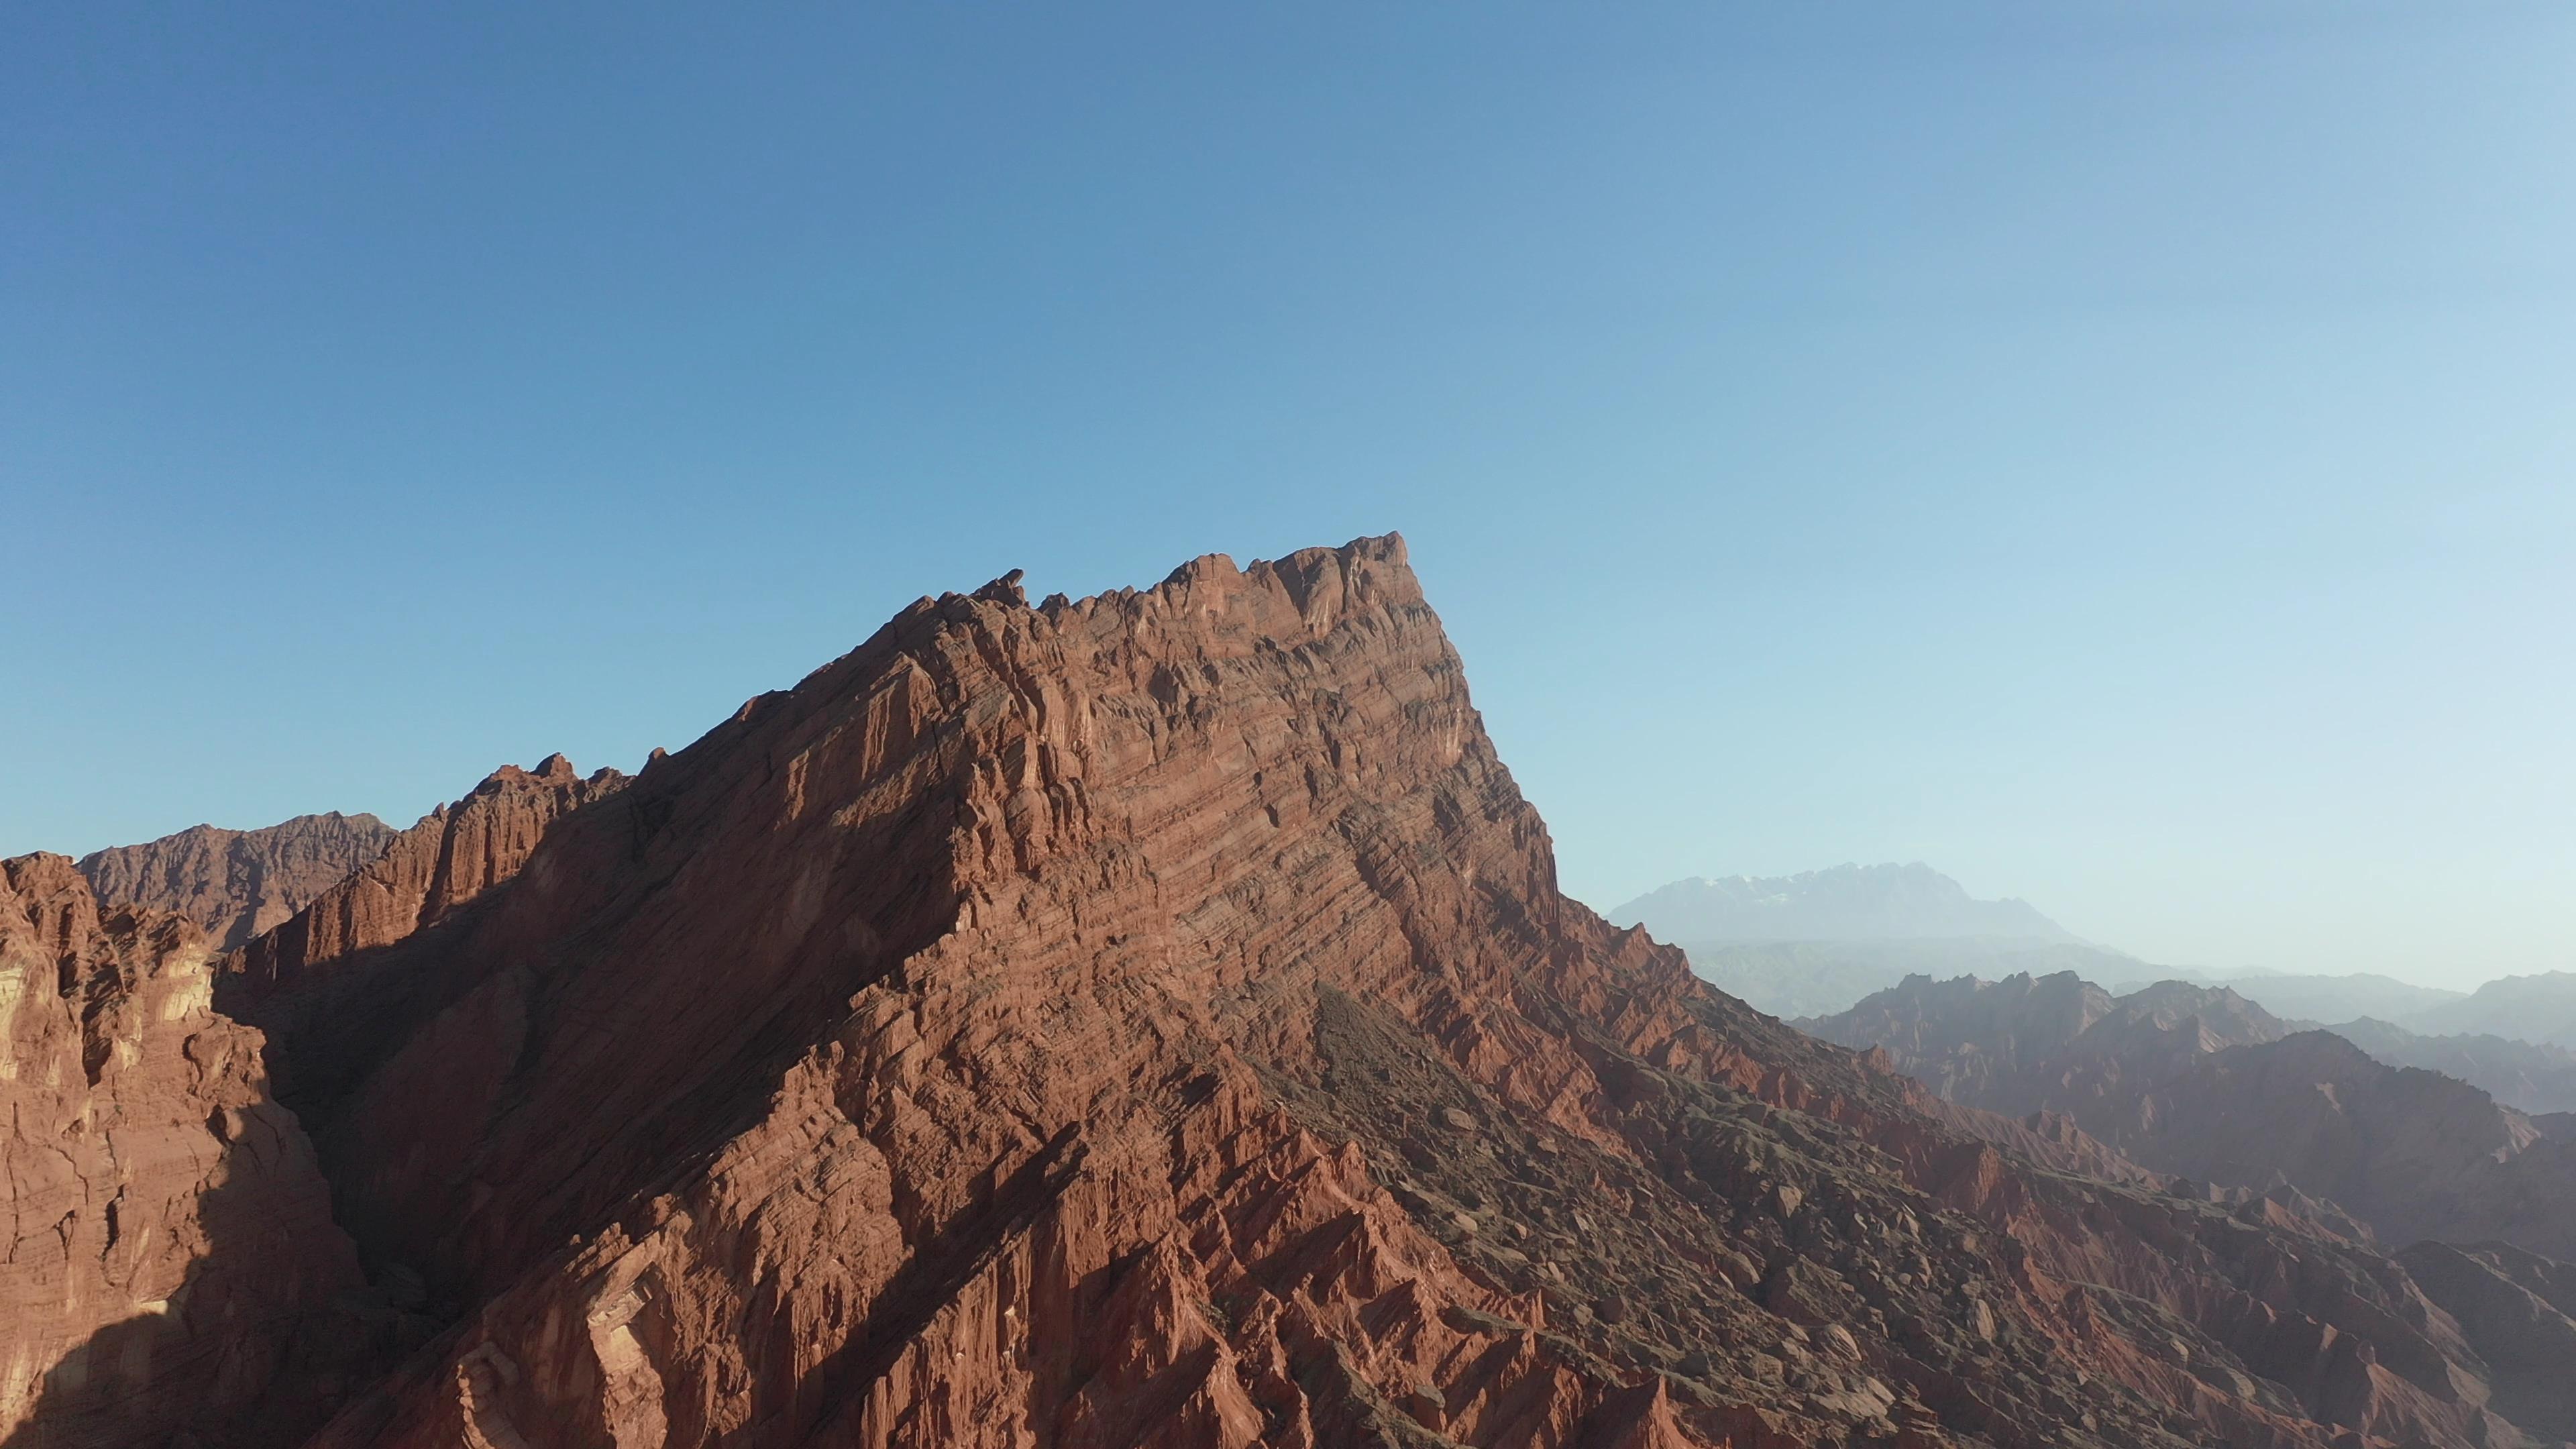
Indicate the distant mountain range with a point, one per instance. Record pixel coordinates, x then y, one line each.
2304 998
1846 903
1814 944
1817 978
2537 1077
2538 1008
2200 1081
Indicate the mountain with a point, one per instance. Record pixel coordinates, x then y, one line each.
2538 1008
1846 903
2201 1082
2529 1076
1818 978
238 883
1153 1020
2306 998
2054 1043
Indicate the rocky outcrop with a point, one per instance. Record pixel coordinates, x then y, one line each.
172 1265
238 883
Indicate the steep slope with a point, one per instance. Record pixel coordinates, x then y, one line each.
238 883
1845 903
2198 1081
171 1263
1152 1020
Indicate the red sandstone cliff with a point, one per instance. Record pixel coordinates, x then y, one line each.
238 883
170 1243
440 865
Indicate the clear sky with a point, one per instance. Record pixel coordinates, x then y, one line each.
2124 455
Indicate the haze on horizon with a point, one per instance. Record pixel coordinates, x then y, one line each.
2119 457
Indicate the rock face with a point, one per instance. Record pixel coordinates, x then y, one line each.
417 878
172 1263
238 883
1153 1021
2198 1081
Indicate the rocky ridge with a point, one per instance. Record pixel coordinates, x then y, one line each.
238 883
2201 1082
2529 1076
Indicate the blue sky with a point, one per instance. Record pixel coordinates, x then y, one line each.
2119 454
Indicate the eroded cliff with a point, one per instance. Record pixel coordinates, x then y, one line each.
171 1261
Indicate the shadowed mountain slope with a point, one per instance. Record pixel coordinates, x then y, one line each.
238 883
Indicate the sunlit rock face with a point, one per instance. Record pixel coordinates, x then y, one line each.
170 1238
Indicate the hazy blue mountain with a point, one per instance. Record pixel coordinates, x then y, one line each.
1846 903
2524 1008
2533 1076
2309 998
1819 978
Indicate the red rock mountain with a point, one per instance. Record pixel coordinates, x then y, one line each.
1153 1021
238 883
2199 1081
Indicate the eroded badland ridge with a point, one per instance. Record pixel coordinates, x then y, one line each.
1150 1020
237 883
